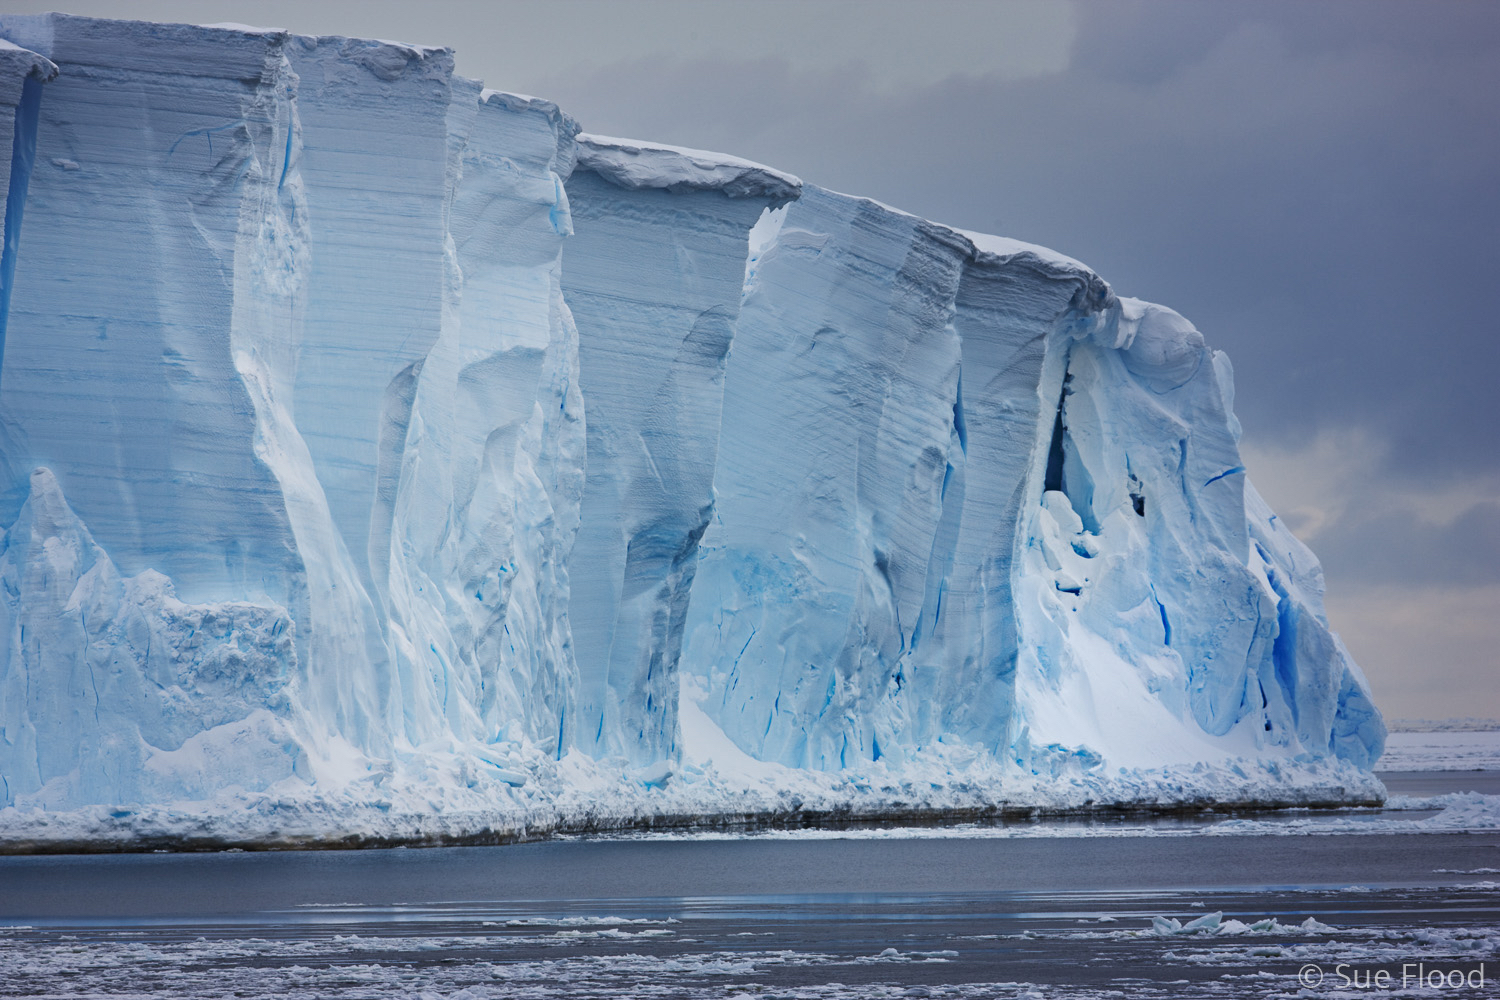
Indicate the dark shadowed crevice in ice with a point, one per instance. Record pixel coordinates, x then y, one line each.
1225 473
1166 624
1284 651
22 158
1052 482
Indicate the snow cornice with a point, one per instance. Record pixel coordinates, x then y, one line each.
633 164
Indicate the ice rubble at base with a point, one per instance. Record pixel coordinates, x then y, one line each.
381 455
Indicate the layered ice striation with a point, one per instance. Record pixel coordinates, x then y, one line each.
654 275
376 445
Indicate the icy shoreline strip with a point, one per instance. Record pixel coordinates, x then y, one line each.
581 797
814 824
1457 813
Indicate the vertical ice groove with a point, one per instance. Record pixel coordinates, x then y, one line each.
653 277
375 164
22 74
486 502
838 422
1009 306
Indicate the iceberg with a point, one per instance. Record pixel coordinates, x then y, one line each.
383 459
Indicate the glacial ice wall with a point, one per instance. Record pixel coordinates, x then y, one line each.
831 480
890 377
363 430
481 451
654 275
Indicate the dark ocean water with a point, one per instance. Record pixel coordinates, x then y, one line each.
1086 914
1045 917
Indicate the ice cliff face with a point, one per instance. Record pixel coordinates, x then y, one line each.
364 432
654 275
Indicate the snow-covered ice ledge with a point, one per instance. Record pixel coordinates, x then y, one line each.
630 163
408 466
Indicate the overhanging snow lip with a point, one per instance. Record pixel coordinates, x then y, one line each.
409 49
148 27
240 28
227 29
518 102
512 101
167 48
1094 302
990 249
987 249
40 66
637 165
1004 248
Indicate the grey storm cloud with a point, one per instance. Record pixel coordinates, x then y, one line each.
1464 553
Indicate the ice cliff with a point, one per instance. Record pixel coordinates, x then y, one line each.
383 458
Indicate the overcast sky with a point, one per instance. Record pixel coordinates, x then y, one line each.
1315 185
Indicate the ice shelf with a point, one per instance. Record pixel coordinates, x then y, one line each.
384 459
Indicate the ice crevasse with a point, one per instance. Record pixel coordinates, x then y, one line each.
382 458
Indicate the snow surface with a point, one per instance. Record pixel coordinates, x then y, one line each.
632 164
407 465
20 65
